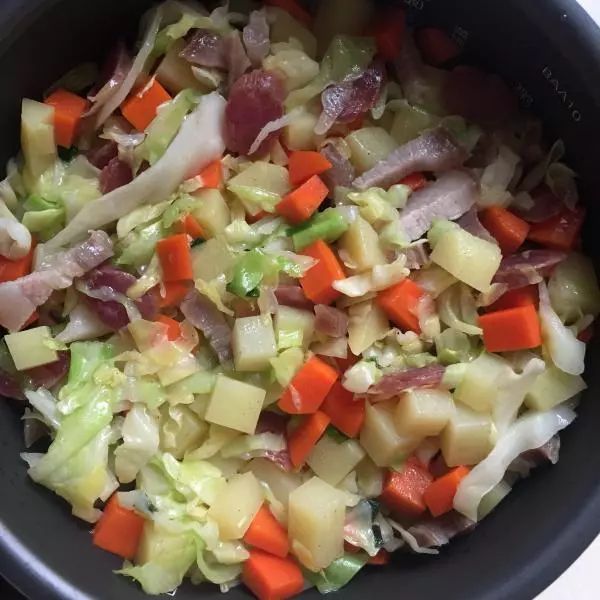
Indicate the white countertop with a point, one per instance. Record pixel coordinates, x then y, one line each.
579 582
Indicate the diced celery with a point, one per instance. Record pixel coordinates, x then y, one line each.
316 523
236 506
553 387
37 138
46 223
212 259
423 412
369 146
235 404
361 246
380 438
470 259
467 439
294 327
410 121
31 348
212 211
332 461
328 226
253 343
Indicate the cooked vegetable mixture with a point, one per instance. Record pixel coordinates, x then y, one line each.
286 293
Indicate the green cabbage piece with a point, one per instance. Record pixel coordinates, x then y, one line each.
165 126
137 248
44 223
338 574
346 58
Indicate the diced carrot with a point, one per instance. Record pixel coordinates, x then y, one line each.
382 558
317 281
522 297
119 530
586 335
175 258
140 108
509 230
303 439
415 182
212 175
560 232
439 496
68 110
388 29
308 388
173 329
174 293
272 578
400 302
511 329
266 533
300 204
346 413
295 9
303 164
13 269
257 217
187 224
436 46
403 492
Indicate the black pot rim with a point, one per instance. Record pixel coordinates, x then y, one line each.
32 577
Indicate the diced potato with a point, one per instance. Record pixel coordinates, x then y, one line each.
332 461
281 483
175 73
553 387
284 27
211 259
423 413
367 324
272 180
235 404
369 146
157 542
361 245
380 438
369 478
294 66
236 505
212 212
181 430
340 17
409 122
294 327
300 133
317 513
470 259
30 349
478 389
467 439
253 343
37 138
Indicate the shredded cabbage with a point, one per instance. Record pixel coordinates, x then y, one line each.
528 433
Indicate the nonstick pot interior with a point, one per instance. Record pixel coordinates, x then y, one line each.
547 50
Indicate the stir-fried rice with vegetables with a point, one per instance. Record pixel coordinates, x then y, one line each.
284 295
